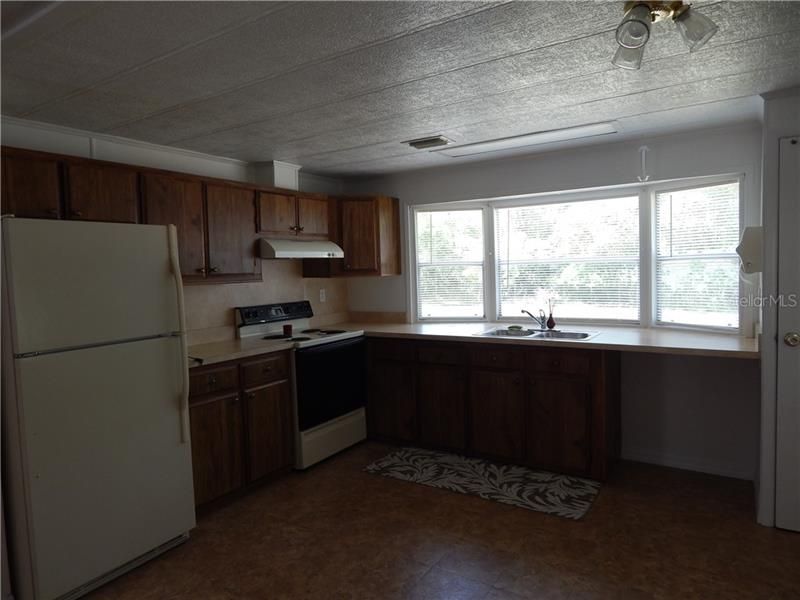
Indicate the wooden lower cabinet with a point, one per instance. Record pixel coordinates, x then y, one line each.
245 433
441 406
392 406
269 429
558 424
216 427
555 409
497 414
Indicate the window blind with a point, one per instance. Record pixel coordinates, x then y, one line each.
584 255
697 270
449 246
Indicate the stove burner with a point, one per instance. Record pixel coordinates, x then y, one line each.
310 331
279 336
331 331
300 339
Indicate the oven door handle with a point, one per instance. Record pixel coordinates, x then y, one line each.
330 346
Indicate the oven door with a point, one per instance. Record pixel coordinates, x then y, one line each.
331 381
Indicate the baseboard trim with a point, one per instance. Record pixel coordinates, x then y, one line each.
686 462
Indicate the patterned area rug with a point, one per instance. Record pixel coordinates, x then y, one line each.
561 495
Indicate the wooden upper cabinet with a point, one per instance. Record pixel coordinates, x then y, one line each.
99 192
231 233
277 215
289 216
370 235
172 200
312 216
360 235
31 187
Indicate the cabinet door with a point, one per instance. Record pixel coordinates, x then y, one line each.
391 404
497 414
102 193
277 215
359 235
441 406
312 217
171 200
269 429
231 233
31 187
216 447
558 423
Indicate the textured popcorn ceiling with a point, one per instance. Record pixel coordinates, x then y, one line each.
336 86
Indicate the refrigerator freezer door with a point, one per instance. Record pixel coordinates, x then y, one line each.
75 284
107 475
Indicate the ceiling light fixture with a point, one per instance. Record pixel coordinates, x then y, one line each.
634 30
530 139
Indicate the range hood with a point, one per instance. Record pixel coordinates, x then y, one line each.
298 249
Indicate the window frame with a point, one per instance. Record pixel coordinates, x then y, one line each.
564 198
646 192
745 315
414 267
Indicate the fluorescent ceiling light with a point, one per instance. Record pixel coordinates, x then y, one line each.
531 139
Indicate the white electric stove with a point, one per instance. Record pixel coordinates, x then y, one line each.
329 368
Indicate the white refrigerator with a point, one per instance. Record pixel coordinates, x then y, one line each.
97 459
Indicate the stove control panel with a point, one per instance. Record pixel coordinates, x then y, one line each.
268 313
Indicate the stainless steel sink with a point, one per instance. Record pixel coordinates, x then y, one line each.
505 332
563 335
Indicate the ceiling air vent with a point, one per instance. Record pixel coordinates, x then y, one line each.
429 142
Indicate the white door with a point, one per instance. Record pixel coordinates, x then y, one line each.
75 284
787 468
109 478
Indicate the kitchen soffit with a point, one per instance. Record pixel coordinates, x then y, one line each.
337 86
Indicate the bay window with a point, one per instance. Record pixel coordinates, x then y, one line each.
655 255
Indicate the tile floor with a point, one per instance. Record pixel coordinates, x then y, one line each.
337 532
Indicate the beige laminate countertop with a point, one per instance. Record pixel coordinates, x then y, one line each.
625 339
217 352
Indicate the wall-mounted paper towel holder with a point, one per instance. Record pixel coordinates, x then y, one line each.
750 250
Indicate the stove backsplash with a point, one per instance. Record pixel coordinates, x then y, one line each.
209 308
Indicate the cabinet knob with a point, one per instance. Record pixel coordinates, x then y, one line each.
494 357
212 380
348 266
214 269
76 213
202 270
251 396
300 228
266 369
52 211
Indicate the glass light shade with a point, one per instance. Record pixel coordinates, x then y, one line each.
628 58
695 28
634 30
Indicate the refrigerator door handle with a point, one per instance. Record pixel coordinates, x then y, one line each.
172 234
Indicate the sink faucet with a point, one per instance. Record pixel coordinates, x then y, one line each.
541 319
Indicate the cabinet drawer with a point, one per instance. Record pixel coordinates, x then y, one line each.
270 368
388 349
440 354
495 357
213 380
564 362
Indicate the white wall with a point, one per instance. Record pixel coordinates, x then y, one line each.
781 119
692 413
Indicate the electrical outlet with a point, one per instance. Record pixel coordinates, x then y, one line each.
323 295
